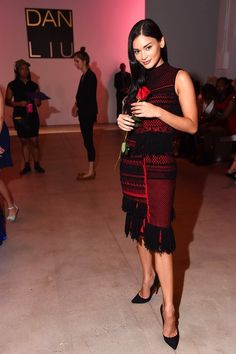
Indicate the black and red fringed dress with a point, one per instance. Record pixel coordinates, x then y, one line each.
148 172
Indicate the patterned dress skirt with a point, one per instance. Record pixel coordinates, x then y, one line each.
148 185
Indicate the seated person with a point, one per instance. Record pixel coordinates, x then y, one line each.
231 126
219 122
207 113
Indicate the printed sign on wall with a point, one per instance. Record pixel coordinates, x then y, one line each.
50 33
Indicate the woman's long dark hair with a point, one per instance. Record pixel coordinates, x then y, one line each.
147 28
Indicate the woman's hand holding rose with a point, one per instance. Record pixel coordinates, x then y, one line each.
125 122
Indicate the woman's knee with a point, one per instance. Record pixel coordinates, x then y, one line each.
34 142
25 142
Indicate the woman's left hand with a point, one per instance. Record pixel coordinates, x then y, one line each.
144 109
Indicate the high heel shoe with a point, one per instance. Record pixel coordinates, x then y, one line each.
154 289
171 341
38 168
12 218
26 169
84 176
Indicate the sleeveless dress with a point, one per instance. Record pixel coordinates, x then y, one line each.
148 172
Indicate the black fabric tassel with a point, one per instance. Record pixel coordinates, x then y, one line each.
159 239
135 215
156 239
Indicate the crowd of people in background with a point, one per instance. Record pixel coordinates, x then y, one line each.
217 119
216 101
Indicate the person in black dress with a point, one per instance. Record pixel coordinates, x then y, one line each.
20 95
148 170
5 161
86 108
122 83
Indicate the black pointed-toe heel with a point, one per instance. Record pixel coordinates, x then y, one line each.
154 289
171 341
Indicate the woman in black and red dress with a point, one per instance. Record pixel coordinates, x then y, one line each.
148 171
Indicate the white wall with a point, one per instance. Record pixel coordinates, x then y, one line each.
190 29
102 26
226 40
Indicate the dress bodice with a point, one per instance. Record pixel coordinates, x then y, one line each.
161 83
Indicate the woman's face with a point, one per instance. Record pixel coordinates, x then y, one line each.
24 72
147 51
80 64
220 86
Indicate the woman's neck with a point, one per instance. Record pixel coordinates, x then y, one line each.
159 62
85 69
24 80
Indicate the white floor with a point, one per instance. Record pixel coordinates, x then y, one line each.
67 273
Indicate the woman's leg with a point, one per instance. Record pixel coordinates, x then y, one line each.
34 143
25 146
4 191
87 134
232 167
164 269
146 260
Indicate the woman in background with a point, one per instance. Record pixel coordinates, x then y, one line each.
20 95
5 161
86 108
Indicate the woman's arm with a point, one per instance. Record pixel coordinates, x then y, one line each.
187 99
9 99
91 88
74 111
37 101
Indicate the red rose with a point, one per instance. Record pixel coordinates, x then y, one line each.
143 93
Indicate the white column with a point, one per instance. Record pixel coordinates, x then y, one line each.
226 39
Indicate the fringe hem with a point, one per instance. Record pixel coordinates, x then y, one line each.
159 239
156 239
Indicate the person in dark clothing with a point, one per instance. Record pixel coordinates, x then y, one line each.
122 83
86 108
5 161
148 168
25 115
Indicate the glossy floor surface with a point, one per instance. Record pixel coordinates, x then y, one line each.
67 273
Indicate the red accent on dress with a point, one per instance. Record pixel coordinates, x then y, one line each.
148 173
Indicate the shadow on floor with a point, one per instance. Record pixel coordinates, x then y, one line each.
188 202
